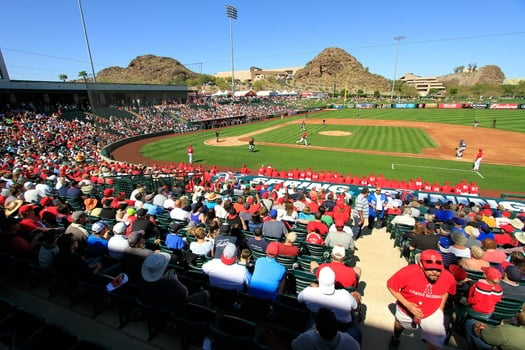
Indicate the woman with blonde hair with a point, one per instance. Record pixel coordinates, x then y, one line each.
475 262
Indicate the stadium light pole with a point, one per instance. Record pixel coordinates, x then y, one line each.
398 38
231 13
87 41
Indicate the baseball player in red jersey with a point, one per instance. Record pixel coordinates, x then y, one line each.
303 138
189 150
479 157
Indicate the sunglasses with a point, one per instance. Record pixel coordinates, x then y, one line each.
437 262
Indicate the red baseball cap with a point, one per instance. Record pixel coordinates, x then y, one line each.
272 249
431 260
491 274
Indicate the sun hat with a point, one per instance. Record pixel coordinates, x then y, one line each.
327 280
517 223
472 231
211 196
154 266
229 254
291 237
520 236
491 274
338 251
431 260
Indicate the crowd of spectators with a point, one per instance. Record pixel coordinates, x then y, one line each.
45 173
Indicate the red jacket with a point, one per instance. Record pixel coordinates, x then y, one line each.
483 296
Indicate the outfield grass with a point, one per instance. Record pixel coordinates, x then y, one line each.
496 177
373 138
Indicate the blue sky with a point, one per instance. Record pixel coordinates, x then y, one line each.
42 39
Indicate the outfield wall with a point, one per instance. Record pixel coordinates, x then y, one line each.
440 105
511 205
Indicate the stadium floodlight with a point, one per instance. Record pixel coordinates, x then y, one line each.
231 13
87 41
398 38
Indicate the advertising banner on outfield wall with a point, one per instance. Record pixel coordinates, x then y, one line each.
405 105
479 105
512 205
365 105
386 105
450 105
504 106
522 106
429 105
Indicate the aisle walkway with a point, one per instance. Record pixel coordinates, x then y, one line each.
378 261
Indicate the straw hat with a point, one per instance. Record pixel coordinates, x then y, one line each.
520 236
13 206
517 223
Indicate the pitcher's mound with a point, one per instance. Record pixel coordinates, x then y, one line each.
335 133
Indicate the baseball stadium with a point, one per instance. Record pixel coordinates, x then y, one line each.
160 216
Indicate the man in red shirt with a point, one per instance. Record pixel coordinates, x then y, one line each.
288 248
345 276
421 291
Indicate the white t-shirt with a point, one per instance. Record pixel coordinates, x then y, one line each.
224 276
341 302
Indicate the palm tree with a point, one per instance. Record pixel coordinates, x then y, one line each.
83 74
63 77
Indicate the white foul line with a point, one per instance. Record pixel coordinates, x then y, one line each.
433 167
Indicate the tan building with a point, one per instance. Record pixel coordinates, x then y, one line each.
255 73
423 84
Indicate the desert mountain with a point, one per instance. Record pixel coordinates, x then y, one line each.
490 74
334 65
331 66
148 69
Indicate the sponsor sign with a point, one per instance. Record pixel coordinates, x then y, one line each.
386 105
479 105
365 105
405 105
504 106
450 105
522 106
511 205
430 105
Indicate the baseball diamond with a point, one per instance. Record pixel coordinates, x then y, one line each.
422 144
